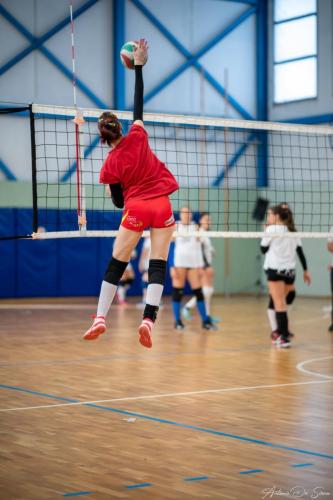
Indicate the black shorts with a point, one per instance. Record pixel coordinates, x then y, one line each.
286 275
332 281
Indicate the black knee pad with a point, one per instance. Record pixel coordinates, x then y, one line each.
198 293
177 294
157 271
290 297
271 303
114 271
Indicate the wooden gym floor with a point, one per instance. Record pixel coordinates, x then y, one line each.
201 415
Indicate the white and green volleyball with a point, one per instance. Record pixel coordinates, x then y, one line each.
127 54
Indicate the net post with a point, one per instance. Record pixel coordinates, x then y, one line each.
33 170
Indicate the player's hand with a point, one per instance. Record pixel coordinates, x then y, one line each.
307 277
141 52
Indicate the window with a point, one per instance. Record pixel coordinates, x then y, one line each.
295 50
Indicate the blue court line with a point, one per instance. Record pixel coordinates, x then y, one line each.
79 493
302 465
42 394
177 424
199 478
139 485
254 471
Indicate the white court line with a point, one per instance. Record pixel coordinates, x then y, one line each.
172 394
309 372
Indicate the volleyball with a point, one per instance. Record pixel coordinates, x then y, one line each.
127 54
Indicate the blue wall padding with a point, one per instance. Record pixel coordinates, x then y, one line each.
59 267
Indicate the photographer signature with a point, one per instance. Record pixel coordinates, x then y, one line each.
295 492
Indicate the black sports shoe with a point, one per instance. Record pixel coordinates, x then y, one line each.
209 325
179 325
331 328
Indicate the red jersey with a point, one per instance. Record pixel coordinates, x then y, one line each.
133 164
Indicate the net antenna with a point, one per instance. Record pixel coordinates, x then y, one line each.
79 146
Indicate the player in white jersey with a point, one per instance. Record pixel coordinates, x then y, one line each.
279 265
188 262
291 294
207 272
330 249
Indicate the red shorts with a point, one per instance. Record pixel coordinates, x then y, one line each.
141 214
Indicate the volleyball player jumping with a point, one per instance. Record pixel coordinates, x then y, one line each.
280 263
141 182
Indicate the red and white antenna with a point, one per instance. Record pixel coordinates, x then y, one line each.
78 122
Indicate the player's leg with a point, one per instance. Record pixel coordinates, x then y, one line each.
194 279
290 297
178 283
275 334
208 286
160 243
277 290
125 242
125 283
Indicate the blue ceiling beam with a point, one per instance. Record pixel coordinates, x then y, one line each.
7 172
41 40
249 2
311 120
262 77
119 99
192 58
262 92
52 58
233 161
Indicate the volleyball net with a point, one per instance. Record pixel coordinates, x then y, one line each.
228 168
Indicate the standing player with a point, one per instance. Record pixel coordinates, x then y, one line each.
188 262
135 175
330 249
207 272
280 263
292 292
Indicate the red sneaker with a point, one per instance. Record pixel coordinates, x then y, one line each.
145 330
97 328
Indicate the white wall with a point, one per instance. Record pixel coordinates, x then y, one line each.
323 104
35 78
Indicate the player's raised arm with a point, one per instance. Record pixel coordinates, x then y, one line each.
140 58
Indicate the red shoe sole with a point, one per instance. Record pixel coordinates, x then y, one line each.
93 335
144 336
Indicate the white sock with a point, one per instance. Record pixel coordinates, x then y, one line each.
144 295
208 292
121 291
154 294
272 319
106 297
191 303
